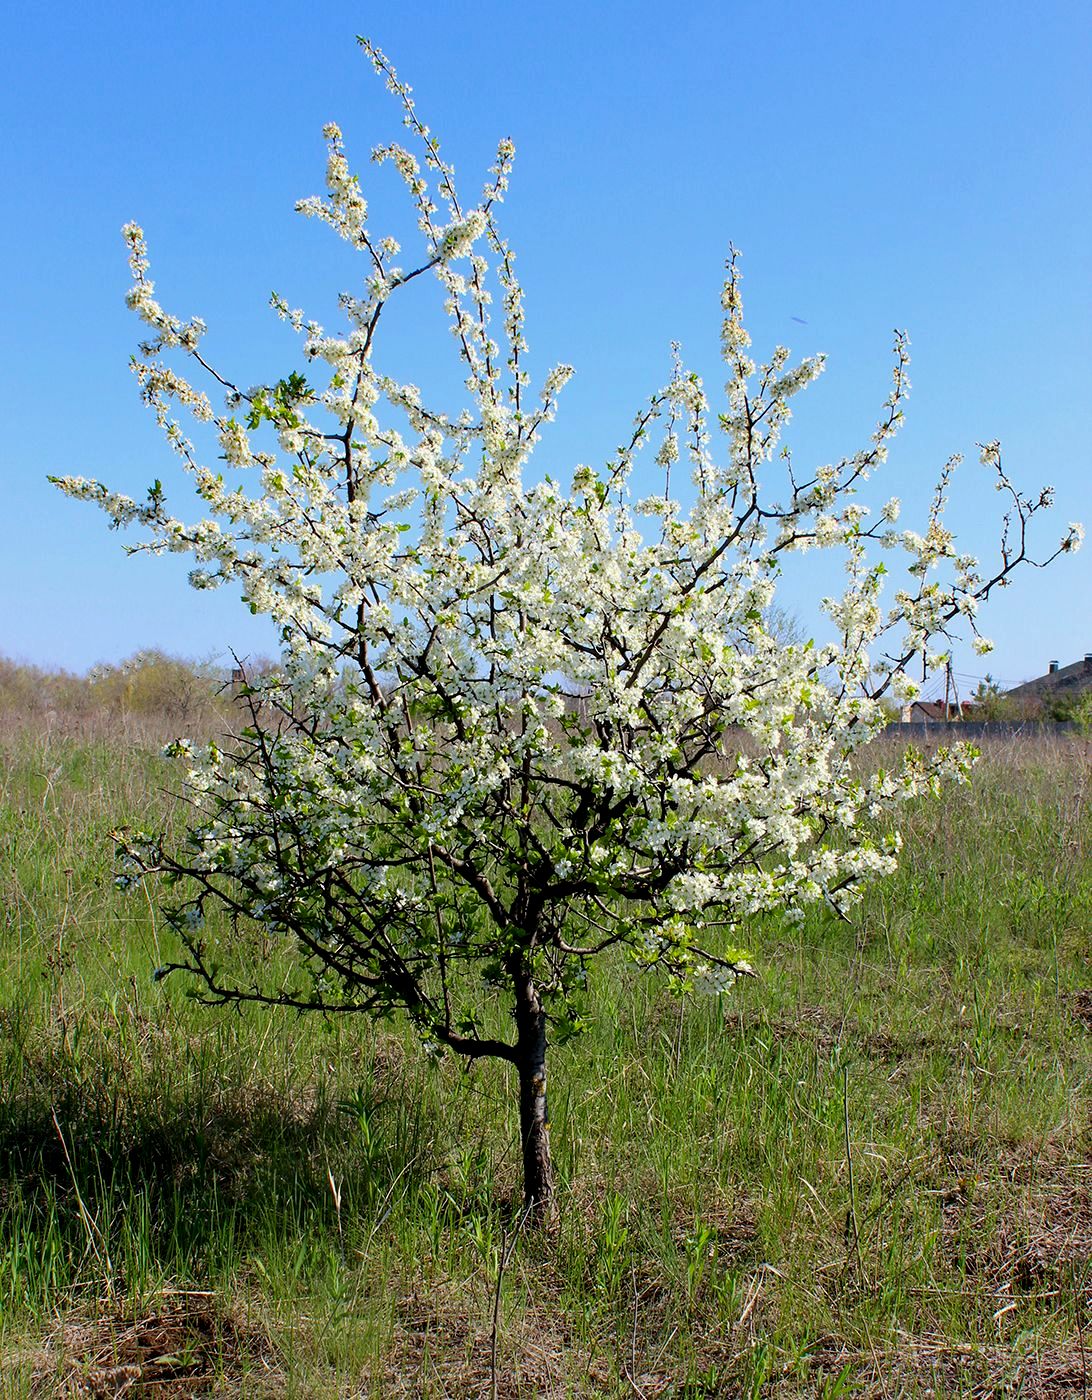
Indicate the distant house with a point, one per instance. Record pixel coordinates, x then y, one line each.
935 711
1059 683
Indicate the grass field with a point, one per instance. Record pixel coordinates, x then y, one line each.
866 1172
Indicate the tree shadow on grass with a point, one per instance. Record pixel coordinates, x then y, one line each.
185 1173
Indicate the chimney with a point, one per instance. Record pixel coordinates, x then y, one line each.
1088 663
1052 668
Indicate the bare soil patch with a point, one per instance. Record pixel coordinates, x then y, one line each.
1037 1232
442 1345
1080 1003
927 1366
182 1348
823 1028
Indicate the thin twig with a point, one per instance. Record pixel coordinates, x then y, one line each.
507 1249
630 1370
852 1179
90 1227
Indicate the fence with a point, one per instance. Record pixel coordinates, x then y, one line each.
981 729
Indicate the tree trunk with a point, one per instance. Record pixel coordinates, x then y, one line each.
534 1117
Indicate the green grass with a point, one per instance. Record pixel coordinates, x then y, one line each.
255 1203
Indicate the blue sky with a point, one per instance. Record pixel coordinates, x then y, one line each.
925 166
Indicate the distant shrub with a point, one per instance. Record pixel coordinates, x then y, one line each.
1072 706
149 685
153 683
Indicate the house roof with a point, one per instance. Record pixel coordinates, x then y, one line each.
1075 677
937 709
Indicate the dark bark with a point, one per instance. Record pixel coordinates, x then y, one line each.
534 1117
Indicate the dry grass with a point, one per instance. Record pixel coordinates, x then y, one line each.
183 1347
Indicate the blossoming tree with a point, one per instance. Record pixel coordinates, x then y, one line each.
517 725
